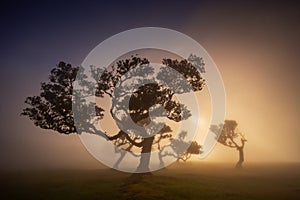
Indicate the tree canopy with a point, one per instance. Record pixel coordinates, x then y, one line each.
52 108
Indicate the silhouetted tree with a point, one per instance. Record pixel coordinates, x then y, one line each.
228 135
179 148
52 109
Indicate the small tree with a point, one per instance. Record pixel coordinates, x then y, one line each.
179 148
228 136
52 109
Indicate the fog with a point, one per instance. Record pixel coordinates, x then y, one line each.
255 46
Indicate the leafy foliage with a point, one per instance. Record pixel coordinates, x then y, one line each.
52 109
180 149
228 133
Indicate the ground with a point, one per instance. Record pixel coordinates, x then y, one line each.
191 180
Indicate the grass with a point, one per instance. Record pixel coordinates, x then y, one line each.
179 181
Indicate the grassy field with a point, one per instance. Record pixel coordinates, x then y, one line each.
196 180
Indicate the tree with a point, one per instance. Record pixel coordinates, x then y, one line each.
52 109
228 134
180 149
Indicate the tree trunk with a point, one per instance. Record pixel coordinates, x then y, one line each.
241 157
145 156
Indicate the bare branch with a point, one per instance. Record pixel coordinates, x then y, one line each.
122 133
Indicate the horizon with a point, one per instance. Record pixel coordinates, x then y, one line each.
255 46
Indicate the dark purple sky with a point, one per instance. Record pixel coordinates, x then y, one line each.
35 36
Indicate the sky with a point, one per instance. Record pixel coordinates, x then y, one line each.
254 44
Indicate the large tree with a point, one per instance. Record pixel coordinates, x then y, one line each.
52 108
228 136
